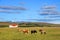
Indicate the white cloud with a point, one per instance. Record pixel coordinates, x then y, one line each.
12 8
7 11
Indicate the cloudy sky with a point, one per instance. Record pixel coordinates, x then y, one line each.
30 10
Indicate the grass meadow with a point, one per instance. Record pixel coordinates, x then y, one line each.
53 33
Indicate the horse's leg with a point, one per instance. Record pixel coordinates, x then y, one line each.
44 32
41 32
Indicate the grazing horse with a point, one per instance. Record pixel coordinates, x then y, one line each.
33 31
25 31
42 31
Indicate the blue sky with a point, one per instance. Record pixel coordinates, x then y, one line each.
10 10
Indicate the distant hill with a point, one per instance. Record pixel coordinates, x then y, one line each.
30 24
4 23
38 24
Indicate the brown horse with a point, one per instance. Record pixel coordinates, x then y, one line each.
25 31
42 31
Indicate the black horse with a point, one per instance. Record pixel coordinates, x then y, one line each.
33 31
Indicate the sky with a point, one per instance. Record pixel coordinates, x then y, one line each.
30 10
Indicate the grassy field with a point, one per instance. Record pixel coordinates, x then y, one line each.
53 33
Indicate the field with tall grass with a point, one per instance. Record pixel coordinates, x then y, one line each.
53 33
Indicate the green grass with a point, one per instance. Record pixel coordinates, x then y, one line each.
53 33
